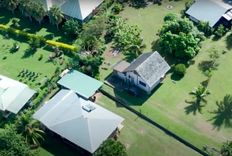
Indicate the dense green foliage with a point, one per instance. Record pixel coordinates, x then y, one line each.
72 27
180 69
29 128
111 147
13 144
205 28
220 31
179 37
226 149
126 38
55 15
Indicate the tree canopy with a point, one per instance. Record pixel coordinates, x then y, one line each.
179 37
12 143
127 38
111 147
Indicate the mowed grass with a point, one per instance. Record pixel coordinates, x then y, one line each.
13 63
167 105
143 139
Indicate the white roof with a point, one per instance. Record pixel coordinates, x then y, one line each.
208 10
64 115
13 94
79 9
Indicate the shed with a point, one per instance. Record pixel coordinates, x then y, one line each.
80 83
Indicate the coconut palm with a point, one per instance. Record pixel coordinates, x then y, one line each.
29 128
10 4
38 11
33 133
55 16
26 8
199 95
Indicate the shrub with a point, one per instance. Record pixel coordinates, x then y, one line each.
40 57
170 17
180 69
117 8
221 31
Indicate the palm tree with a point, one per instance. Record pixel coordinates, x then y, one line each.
26 8
199 95
29 128
38 11
10 4
226 149
55 16
33 133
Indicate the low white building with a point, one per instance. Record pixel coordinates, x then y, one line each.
79 121
13 95
146 72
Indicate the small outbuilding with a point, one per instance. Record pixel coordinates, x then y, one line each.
77 120
13 95
146 72
82 84
213 11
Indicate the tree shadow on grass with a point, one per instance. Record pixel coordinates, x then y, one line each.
29 52
221 119
223 114
194 107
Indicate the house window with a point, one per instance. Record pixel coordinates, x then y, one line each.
142 83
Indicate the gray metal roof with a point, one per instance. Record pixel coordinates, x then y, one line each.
13 94
121 66
208 10
65 115
150 67
79 9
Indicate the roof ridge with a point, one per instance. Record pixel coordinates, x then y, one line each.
55 106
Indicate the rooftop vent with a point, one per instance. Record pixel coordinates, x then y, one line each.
88 107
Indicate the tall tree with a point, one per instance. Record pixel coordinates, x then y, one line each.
199 95
38 11
26 8
55 16
179 37
29 128
10 4
13 144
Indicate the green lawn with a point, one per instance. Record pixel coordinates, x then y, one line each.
143 139
167 104
13 63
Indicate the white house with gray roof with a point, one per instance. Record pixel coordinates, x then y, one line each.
79 9
213 11
79 121
146 72
13 95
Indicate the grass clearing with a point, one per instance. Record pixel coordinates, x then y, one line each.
141 138
167 105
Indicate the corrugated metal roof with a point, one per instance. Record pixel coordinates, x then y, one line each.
79 9
80 83
64 115
13 94
208 10
150 67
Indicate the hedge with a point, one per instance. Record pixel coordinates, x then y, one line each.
41 38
